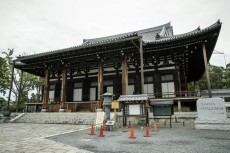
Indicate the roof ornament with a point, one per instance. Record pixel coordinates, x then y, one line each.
163 32
157 36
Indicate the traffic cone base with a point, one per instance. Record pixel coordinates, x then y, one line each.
147 131
101 133
132 136
92 130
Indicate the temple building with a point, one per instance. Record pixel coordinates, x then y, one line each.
151 61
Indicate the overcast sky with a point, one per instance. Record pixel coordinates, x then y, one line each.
34 26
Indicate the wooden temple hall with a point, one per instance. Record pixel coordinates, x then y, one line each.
151 61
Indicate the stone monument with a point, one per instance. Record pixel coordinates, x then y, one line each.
211 114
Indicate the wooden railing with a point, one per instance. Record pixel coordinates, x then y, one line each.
174 94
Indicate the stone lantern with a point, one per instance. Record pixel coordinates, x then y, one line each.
107 101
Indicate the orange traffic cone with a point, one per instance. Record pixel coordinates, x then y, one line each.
132 136
147 131
101 133
92 130
155 129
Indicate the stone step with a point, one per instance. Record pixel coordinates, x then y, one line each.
58 118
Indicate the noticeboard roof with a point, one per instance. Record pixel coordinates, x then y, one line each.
133 98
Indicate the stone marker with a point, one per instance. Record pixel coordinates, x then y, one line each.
211 114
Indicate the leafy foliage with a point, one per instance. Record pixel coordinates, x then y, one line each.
29 81
219 79
5 71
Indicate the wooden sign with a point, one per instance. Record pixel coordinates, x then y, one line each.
115 104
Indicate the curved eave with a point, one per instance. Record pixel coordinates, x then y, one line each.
190 41
82 46
194 33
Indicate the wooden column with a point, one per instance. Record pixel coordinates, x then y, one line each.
157 85
100 83
142 83
19 93
179 80
46 91
63 89
207 70
124 76
142 67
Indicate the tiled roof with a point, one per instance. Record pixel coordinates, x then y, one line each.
147 34
127 98
195 32
161 102
155 35
84 45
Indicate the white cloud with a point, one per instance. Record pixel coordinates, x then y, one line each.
34 26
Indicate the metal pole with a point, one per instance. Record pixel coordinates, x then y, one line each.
11 84
207 71
19 93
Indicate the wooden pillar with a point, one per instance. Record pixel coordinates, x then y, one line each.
157 84
124 115
137 85
142 67
207 70
124 76
19 93
63 90
142 83
179 80
46 91
100 83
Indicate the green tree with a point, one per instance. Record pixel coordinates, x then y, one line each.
29 83
227 76
5 70
219 79
216 77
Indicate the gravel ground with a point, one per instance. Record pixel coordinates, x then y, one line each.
177 139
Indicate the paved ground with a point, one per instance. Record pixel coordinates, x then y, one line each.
30 138
15 137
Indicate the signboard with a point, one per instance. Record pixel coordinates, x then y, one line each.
115 104
163 110
100 118
211 109
110 122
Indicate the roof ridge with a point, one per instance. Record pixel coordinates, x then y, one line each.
127 33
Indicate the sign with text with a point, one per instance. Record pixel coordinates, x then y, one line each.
115 104
211 109
100 118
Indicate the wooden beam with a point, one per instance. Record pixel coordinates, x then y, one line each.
124 76
135 45
207 70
